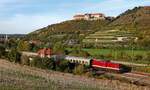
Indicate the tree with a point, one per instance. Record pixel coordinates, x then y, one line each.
146 57
79 52
63 66
14 56
58 48
2 51
36 62
48 63
79 69
44 63
23 46
24 60
12 43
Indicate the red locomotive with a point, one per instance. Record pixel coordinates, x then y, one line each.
109 66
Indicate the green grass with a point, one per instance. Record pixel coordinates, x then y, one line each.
141 69
113 52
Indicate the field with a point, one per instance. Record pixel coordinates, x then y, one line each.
17 77
118 51
115 53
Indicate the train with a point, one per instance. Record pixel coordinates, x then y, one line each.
95 64
98 64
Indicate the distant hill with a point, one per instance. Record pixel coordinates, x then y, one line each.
12 35
3 37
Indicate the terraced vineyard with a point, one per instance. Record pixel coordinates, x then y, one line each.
110 36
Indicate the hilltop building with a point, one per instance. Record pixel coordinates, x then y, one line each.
89 16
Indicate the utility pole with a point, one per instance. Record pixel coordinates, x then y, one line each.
96 42
132 47
6 38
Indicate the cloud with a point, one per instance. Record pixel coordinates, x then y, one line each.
25 24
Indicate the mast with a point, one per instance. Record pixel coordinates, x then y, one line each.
6 38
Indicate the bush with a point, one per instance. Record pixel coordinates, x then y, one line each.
14 56
79 70
44 63
48 63
63 66
36 62
147 58
138 57
2 51
79 52
24 60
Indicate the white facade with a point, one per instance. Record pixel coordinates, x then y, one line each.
80 60
90 16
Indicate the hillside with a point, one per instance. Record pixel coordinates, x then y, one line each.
73 29
131 25
110 37
17 77
137 18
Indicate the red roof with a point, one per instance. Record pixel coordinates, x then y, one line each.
48 51
45 51
147 7
79 16
97 14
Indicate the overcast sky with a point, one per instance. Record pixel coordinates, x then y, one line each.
24 16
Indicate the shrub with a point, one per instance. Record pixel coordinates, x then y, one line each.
44 63
138 57
24 60
79 70
63 66
2 51
79 52
14 56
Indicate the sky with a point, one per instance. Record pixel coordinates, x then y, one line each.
25 16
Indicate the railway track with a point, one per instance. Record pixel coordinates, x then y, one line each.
138 78
141 73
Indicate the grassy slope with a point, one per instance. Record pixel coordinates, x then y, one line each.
136 18
16 77
67 27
